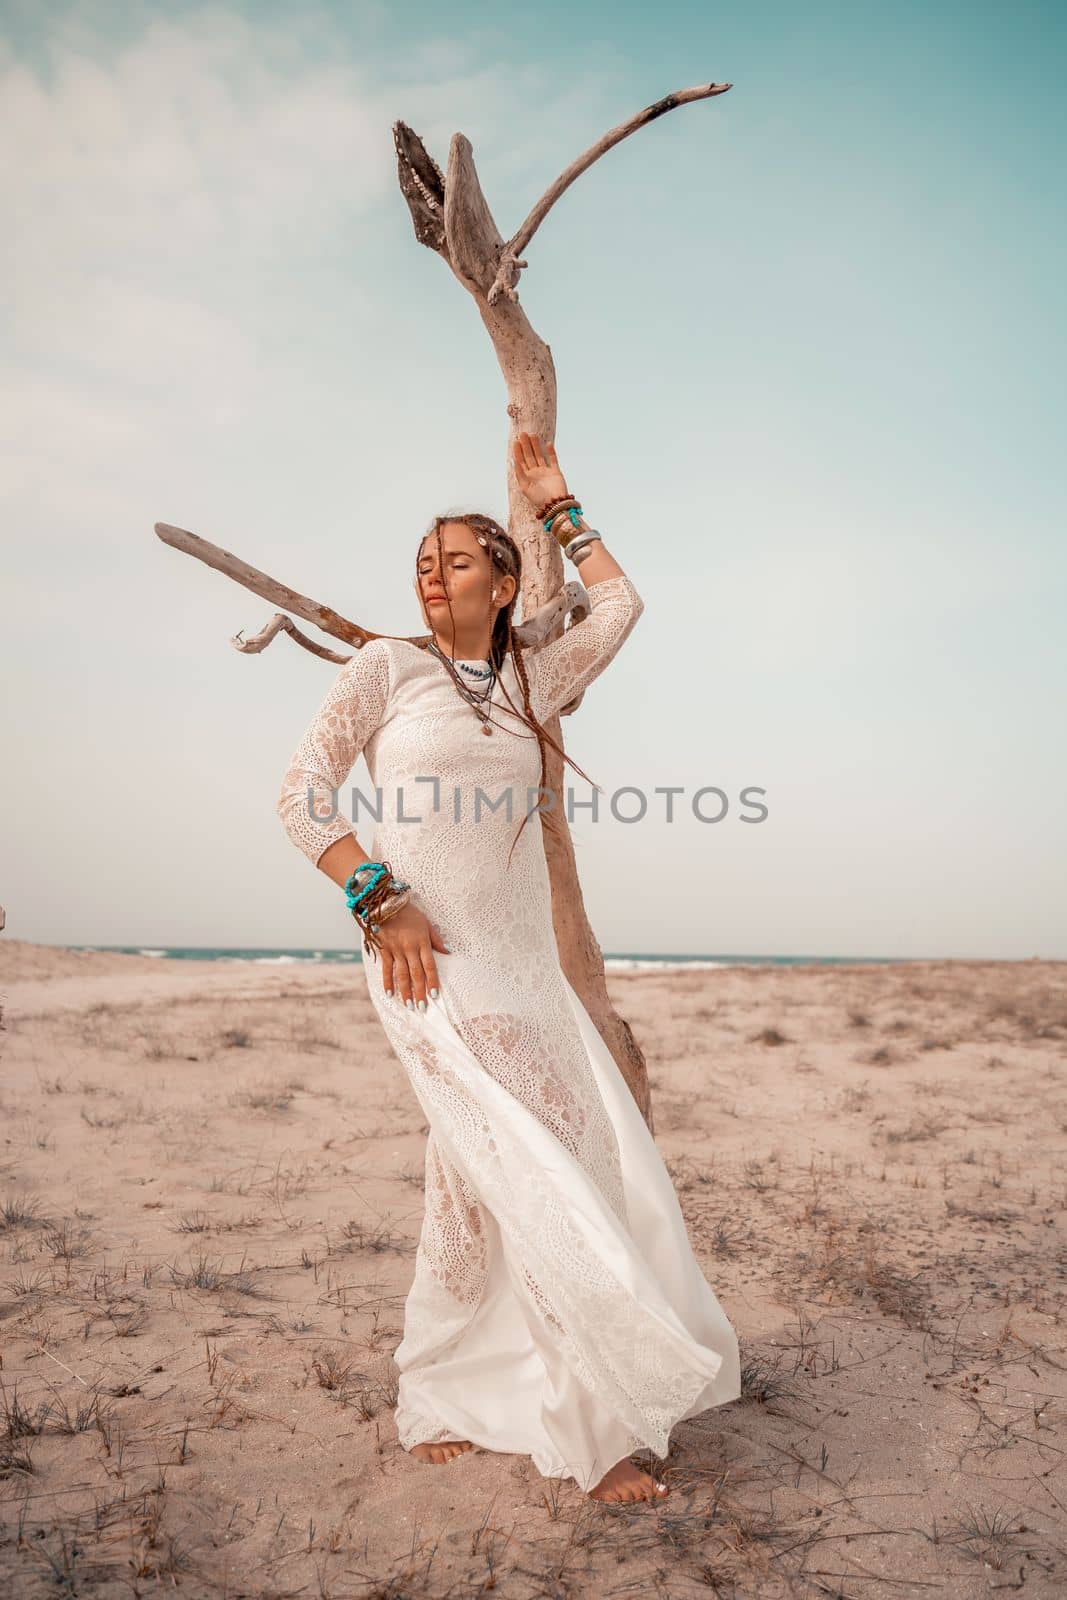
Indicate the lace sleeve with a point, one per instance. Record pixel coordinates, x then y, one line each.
567 665
333 741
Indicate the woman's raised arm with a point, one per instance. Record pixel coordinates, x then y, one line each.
569 664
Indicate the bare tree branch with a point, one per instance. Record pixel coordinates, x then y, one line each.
422 184
281 623
508 272
572 602
261 583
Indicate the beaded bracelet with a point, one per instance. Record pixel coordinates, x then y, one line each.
558 504
565 510
377 869
573 511
380 898
382 890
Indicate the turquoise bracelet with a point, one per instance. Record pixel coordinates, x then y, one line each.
378 870
574 512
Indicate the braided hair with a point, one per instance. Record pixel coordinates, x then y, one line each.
505 561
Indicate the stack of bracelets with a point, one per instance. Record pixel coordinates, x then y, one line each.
559 516
373 896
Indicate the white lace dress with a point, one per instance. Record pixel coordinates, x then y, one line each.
557 1309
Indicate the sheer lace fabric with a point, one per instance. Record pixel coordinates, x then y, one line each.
556 1307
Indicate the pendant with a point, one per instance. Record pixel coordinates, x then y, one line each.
487 727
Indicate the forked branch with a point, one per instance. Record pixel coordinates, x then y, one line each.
450 213
510 264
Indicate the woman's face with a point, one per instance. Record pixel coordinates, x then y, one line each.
467 578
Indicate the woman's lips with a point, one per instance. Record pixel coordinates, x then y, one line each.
434 599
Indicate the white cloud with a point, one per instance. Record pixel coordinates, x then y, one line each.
167 192
191 139
178 198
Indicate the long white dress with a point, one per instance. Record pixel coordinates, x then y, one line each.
557 1309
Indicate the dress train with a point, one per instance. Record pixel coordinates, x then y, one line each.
575 1378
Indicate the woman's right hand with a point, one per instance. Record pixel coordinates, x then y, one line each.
408 941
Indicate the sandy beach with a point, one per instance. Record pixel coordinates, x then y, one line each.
210 1193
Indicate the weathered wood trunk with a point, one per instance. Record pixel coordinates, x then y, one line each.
451 216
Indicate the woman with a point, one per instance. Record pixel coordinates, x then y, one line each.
557 1309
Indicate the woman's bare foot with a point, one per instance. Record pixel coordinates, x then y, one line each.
627 1482
440 1452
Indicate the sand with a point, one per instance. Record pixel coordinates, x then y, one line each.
210 1192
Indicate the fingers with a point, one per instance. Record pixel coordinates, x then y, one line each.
419 977
402 974
410 970
528 450
412 988
416 975
428 972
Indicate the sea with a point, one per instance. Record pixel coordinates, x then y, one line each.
615 961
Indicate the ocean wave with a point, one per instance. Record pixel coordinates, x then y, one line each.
650 963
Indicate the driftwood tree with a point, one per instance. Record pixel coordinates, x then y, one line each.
452 218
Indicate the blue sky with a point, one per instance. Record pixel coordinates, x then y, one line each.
809 339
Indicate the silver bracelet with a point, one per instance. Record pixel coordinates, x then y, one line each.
390 906
578 548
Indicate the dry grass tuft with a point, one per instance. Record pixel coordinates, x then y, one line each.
986 1536
375 1238
264 1097
763 1380
20 1211
209 1275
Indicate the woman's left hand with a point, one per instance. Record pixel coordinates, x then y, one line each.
537 470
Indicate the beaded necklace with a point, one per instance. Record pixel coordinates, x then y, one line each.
482 670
